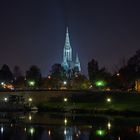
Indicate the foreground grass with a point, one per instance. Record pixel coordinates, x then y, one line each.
119 102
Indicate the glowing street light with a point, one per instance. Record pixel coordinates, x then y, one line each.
65 99
5 99
65 121
118 74
49 77
30 117
65 82
108 100
31 83
30 99
2 83
109 125
100 83
100 132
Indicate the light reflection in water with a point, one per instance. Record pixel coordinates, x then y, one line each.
138 129
11 125
68 133
71 128
49 132
25 129
31 130
1 129
109 125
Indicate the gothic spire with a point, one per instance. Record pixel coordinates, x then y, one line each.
77 63
67 40
77 58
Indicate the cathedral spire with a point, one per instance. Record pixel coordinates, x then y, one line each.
77 63
77 58
67 40
67 52
68 64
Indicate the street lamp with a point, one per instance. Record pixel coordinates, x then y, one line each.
65 82
31 83
108 99
30 99
65 99
65 121
5 99
100 83
100 132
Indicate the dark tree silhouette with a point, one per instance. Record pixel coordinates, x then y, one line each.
17 72
130 72
19 79
92 69
34 74
6 74
58 75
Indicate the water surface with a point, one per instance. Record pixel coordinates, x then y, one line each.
52 126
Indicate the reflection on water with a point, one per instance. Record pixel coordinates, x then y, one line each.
43 126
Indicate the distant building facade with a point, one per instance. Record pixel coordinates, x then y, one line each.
137 85
68 64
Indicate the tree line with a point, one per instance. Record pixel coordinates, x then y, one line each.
98 78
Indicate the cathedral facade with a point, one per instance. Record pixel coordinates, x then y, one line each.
68 64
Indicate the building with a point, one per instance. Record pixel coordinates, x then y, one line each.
68 64
137 85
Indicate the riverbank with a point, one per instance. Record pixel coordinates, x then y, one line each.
84 101
117 103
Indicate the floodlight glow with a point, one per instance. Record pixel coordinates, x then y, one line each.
65 121
65 99
5 99
49 77
109 125
100 132
65 82
100 83
108 100
30 99
30 117
118 74
2 83
31 83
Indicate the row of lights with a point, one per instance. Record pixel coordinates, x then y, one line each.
29 99
108 99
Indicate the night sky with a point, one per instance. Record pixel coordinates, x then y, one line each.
32 32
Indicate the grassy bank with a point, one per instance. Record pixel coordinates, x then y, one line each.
100 102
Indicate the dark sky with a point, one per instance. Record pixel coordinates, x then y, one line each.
33 31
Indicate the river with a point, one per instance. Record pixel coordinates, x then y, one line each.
55 126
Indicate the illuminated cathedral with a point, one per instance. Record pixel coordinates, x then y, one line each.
68 64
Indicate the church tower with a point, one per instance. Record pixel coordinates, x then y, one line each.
77 65
67 53
68 63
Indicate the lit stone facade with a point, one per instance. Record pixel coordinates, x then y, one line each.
68 63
